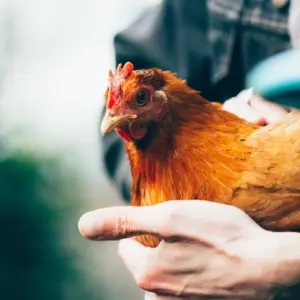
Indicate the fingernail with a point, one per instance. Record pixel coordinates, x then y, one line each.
251 91
246 95
88 226
150 296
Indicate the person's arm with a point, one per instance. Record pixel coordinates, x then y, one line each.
170 36
208 250
294 23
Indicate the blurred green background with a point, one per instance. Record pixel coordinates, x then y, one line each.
54 59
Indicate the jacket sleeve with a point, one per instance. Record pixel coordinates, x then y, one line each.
168 36
294 23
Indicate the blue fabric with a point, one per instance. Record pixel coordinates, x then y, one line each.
278 78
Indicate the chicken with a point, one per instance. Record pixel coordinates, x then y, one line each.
181 146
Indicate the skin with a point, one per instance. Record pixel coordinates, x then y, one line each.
209 250
254 108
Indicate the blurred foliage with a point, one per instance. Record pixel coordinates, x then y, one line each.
38 198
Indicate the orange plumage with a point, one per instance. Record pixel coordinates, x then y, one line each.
181 146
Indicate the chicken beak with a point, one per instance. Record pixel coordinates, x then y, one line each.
109 122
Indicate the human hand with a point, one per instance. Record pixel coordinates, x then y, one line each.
209 250
253 108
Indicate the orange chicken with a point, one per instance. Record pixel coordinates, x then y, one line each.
181 146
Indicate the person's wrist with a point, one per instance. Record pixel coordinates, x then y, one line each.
271 261
275 261
286 257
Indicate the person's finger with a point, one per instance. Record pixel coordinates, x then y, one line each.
135 256
152 296
271 112
145 264
122 222
243 110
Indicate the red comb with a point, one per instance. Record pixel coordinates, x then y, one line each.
115 82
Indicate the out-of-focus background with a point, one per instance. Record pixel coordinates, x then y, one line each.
54 59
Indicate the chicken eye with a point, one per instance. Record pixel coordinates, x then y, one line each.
142 98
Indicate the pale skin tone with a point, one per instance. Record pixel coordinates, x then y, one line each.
209 250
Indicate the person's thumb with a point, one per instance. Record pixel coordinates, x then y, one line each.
122 222
271 112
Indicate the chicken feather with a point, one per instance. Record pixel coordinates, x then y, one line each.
192 149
